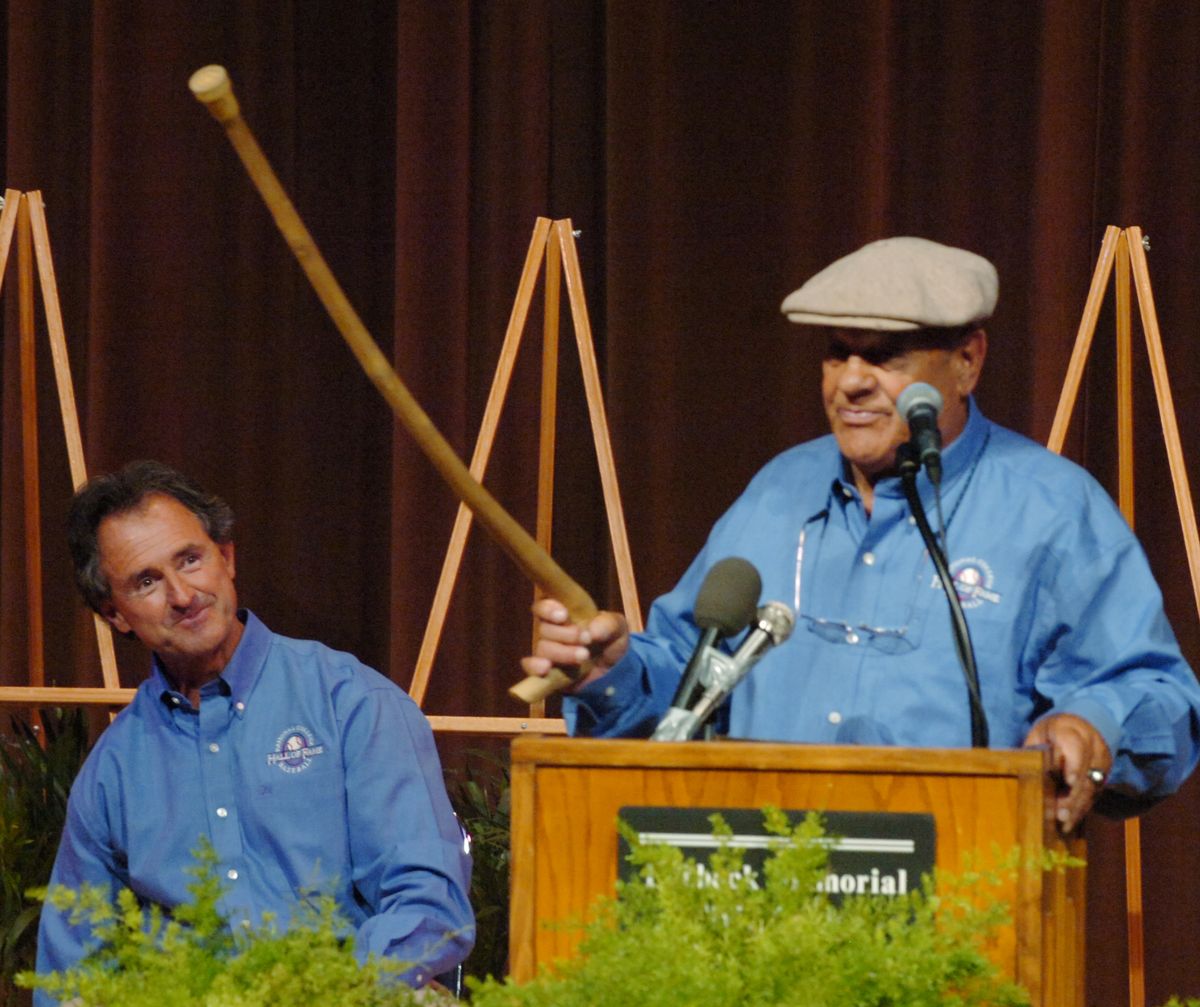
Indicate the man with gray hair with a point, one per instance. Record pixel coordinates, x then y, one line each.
305 770
1074 651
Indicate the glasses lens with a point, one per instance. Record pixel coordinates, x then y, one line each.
887 641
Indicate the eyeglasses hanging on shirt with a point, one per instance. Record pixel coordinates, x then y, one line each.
889 640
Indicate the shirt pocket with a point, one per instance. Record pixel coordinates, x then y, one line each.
297 798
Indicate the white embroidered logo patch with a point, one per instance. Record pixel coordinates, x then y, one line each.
973 579
295 749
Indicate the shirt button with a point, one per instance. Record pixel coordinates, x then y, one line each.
232 874
175 700
214 748
222 813
239 706
835 717
869 558
852 637
610 691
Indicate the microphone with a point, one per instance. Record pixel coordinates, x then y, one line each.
920 404
775 623
724 605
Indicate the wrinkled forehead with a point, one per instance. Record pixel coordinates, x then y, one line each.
154 516
144 508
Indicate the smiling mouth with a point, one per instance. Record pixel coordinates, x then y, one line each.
859 417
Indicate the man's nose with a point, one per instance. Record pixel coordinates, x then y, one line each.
179 592
857 375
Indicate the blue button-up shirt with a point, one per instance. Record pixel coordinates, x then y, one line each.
305 770
1063 611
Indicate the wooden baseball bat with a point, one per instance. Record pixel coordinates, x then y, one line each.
212 87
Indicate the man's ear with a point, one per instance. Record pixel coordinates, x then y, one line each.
109 613
227 554
968 360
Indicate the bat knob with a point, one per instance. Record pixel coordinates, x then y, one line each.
535 688
211 85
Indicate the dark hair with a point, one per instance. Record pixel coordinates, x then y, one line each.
123 491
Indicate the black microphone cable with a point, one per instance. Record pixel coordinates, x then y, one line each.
909 464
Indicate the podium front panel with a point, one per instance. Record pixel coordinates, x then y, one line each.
566 795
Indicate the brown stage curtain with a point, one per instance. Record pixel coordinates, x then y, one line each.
711 155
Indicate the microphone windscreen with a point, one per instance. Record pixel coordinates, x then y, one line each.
919 395
728 598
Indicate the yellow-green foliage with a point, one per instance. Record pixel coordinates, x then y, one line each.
670 943
193 959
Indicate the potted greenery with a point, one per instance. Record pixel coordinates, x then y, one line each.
663 941
193 958
37 766
666 942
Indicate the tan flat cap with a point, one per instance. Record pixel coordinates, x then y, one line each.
898 284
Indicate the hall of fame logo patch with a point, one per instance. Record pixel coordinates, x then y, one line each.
295 749
973 579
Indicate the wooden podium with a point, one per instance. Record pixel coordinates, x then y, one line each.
566 793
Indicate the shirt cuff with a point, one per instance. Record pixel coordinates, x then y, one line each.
596 709
1096 714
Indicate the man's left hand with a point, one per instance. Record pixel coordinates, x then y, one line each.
1077 753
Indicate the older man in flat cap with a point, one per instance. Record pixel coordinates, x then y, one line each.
1073 649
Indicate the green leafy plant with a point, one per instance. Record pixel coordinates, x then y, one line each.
143 958
666 941
480 795
37 768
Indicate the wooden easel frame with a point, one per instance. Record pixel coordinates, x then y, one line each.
553 243
1124 251
25 213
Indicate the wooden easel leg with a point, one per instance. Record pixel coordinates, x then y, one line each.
1134 918
600 435
8 223
548 426
547 430
58 339
1083 341
1166 408
1125 496
1124 347
29 450
479 460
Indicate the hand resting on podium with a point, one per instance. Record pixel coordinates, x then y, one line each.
1079 762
